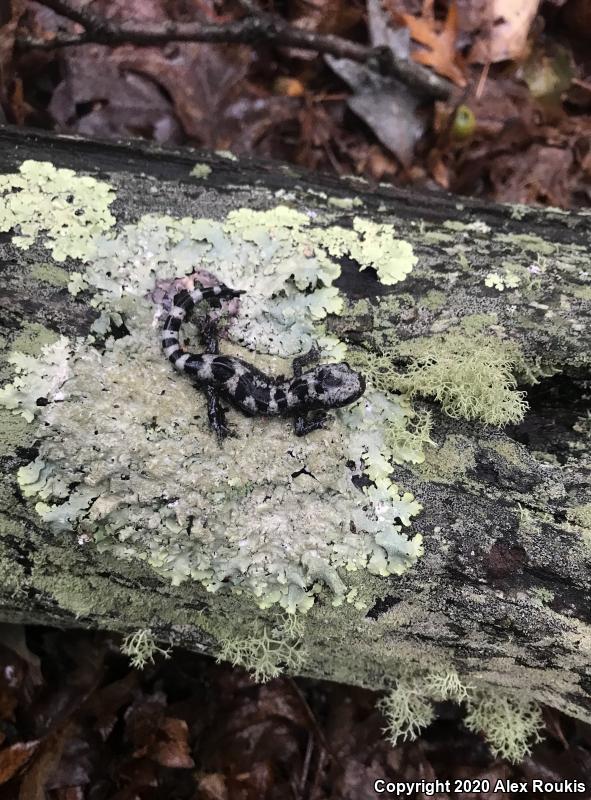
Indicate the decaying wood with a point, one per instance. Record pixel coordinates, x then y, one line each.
502 591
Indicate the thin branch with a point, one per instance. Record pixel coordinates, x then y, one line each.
253 29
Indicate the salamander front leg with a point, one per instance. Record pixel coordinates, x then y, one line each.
215 410
311 357
305 424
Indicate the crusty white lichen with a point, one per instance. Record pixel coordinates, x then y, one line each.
126 458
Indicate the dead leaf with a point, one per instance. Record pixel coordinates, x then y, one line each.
383 103
106 703
213 787
577 18
289 87
322 16
14 757
14 637
172 747
442 53
98 98
10 14
70 793
504 32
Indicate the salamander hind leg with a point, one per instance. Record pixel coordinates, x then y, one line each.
305 424
217 415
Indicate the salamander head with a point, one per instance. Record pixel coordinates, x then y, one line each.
338 385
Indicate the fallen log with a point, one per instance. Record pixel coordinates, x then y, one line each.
440 527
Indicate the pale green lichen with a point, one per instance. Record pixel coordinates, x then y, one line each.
284 300
543 596
450 461
446 685
528 242
434 299
227 154
385 427
72 210
200 171
506 280
345 202
48 273
510 723
154 485
127 460
376 246
408 707
478 226
472 377
580 515
407 711
141 647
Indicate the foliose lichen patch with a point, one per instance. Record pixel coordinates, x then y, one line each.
126 458
69 208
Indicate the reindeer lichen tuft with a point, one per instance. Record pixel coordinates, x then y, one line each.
267 650
472 377
407 710
141 647
509 723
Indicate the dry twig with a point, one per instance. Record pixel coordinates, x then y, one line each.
253 29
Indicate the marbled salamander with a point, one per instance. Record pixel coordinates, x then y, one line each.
246 387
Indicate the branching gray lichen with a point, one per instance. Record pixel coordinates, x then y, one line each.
408 708
472 377
141 647
509 723
407 711
266 651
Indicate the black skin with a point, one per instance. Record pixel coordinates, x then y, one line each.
216 413
306 423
